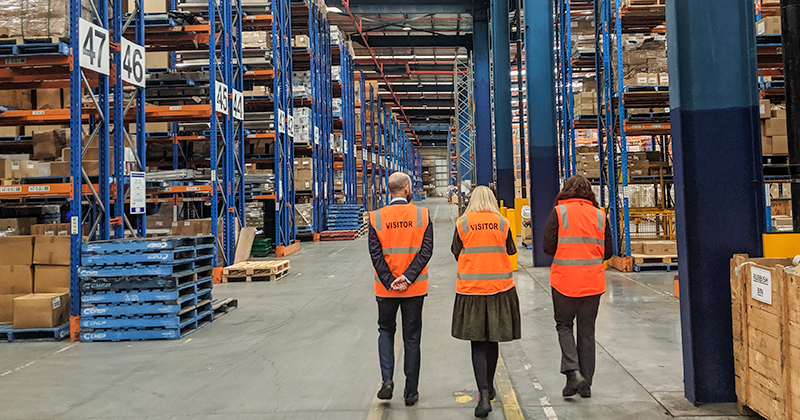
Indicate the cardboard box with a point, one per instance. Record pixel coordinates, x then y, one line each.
30 130
19 99
669 248
51 250
776 127
765 109
92 168
51 278
301 41
780 145
50 229
45 310
48 99
779 113
192 227
7 307
19 226
590 173
653 248
156 60
663 79
49 145
769 26
12 168
637 248
766 145
16 279
16 250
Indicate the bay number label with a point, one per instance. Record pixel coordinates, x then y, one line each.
94 47
238 104
133 64
221 97
761 285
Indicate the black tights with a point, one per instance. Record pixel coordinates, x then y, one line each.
484 362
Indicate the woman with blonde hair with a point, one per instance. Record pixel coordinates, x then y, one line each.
486 309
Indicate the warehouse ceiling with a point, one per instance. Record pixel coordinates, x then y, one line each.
416 42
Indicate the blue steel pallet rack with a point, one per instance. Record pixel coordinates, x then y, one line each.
349 128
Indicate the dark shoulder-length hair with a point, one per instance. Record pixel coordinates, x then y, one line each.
577 187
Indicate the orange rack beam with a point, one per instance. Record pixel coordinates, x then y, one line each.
43 190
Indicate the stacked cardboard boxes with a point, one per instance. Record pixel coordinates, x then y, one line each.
654 248
302 126
34 281
774 135
645 60
303 174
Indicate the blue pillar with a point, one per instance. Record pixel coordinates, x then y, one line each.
543 137
501 59
484 166
718 177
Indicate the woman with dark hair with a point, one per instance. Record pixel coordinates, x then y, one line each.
578 235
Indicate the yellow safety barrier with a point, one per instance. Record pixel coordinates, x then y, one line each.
513 222
781 245
518 203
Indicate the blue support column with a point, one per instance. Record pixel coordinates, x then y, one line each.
285 228
117 162
543 139
76 152
484 166
141 146
718 177
501 62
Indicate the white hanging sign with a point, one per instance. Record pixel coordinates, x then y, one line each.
346 148
138 193
238 104
290 122
133 63
94 53
281 121
221 97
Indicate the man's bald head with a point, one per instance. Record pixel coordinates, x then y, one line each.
398 181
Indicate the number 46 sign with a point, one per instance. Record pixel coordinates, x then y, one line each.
133 64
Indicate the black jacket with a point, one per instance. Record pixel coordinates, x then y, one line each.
550 244
417 264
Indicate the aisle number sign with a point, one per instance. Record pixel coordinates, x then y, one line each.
290 122
138 197
281 121
94 53
238 105
761 285
133 63
221 97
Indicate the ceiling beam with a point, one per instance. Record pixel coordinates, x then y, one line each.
423 102
415 41
407 7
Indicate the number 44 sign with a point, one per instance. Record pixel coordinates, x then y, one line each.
94 47
238 104
133 64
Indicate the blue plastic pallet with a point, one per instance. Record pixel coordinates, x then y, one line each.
161 257
121 284
125 246
130 297
9 334
143 322
119 310
655 267
58 48
130 335
159 270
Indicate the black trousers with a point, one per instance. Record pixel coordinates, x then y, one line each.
411 309
581 355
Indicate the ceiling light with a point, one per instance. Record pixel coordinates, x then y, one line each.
407 28
334 10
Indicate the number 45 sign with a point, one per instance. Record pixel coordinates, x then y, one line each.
94 47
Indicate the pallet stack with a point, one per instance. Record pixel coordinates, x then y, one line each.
144 289
345 222
255 271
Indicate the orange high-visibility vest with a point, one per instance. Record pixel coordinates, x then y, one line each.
577 269
401 230
483 265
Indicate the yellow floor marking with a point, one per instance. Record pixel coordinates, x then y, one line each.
462 397
506 392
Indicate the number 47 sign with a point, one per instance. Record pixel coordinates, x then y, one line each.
94 47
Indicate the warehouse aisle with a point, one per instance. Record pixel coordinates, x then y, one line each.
305 347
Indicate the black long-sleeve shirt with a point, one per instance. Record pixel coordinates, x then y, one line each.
417 264
458 245
550 244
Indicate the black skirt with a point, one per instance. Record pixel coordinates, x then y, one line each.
487 317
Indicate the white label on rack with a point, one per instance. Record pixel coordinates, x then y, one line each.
761 285
330 141
195 188
364 154
281 121
238 104
221 97
30 164
93 47
625 192
213 175
767 195
133 63
74 225
316 135
16 60
290 123
138 195
10 189
37 112
346 149
39 188
14 165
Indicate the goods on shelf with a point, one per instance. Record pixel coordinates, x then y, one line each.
257 39
302 125
303 174
304 214
774 135
770 25
645 59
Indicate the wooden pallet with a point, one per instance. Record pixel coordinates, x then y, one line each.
17 40
640 259
223 306
339 235
255 271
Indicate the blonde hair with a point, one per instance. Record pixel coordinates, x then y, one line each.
482 200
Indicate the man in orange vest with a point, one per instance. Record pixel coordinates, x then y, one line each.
400 244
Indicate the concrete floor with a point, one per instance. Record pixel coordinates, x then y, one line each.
305 347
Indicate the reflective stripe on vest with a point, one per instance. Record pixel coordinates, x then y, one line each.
407 250
419 217
484 267
577 269
378 224
421 278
